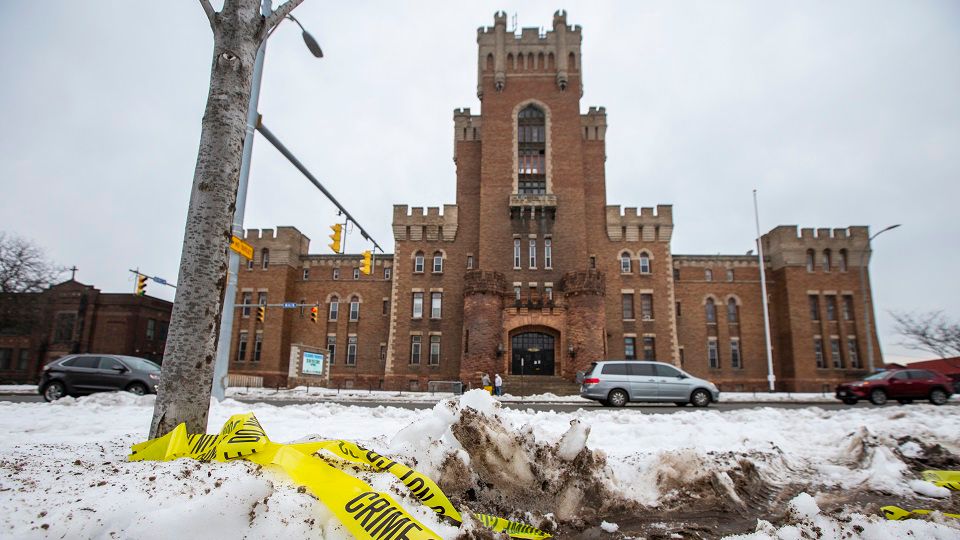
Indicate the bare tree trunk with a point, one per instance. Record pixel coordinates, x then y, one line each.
187 375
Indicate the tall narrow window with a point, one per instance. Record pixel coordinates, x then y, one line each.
434 350
356 273
644 263
436 301
352 350
516 253
852 352
818 352
383 353
246 299
814 308
730 275
735 354
627 306
843 260
847 307
533 253
649 348
257 346
835 352
826 260
334 308
469 262
713 354
418 305
418 262
415 350
516 293
646 307
548 292
810 260
732 315
242 347
630 348
625 267
264 258
387 273
306 274
548 253
710 309
531 152
336 273
831 307
708 275
332 347
386 307
354 308
437 262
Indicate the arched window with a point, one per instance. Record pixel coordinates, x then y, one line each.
810 261
732 315
531 151
264 258
334 308
644 263
826 260
711 311
843 260
437 262
354 308
418 262
708 275
625 265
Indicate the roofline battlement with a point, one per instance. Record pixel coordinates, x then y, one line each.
787 246
425 224
649 225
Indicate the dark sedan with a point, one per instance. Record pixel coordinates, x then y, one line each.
903 385
81 374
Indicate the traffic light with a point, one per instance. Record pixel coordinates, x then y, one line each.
313 314
261 312
141 284
366 265
337 232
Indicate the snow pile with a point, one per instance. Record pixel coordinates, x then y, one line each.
778 473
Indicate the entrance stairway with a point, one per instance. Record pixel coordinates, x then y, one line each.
539 384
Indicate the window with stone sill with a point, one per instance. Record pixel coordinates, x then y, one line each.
644 263
437 263
625 263
418 263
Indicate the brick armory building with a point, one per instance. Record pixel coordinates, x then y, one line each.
72 317
532 271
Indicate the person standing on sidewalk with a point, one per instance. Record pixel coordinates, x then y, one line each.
497 385
485 382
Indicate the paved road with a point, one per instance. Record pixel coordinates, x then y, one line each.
559 407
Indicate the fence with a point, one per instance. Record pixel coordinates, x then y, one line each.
247 381
453 387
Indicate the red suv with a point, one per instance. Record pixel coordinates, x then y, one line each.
903 385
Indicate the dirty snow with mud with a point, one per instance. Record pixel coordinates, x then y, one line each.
762 473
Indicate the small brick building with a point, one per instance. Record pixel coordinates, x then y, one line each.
532 271
71 317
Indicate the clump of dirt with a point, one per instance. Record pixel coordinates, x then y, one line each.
931 456
509 472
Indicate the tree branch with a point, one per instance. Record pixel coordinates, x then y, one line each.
277 16
208 9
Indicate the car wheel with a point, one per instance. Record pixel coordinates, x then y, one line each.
617 398
680 403
938 396
878 397
137 389
54 391
850 401
700 398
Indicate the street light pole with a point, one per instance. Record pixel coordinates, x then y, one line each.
863 291
226 316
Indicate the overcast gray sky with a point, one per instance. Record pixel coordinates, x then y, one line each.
840 113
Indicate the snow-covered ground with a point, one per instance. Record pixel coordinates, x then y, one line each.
766 472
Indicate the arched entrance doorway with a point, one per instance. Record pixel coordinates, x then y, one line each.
532 353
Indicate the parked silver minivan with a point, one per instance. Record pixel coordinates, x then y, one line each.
617 382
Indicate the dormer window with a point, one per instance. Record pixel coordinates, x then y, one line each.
531 151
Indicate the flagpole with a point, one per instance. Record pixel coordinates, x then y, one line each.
771 378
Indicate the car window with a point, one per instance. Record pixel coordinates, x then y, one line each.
667 371
877 376
69 362
900 376
109 363
921 374
87 362
641 369
141 364
615 369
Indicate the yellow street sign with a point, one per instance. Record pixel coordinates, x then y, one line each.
241 247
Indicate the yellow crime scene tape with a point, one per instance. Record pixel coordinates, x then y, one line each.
947 479
365 512
895 513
